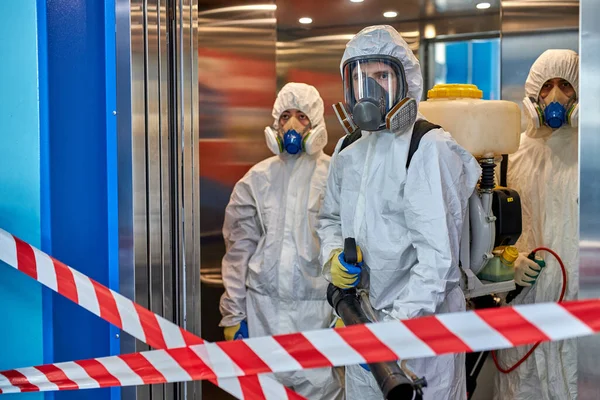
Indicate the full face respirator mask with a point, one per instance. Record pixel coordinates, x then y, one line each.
294 137
375 91
554 111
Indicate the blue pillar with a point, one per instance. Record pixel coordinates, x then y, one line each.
81 87
21 335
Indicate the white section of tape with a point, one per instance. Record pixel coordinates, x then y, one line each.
8 249
545 315
220 362
129 317
78 375
36 378
232 386
167 366
401 340
120 370
85 292
271 389
171 333
475 332
273 354
334 348
45 270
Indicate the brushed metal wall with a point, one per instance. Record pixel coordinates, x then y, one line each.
236 88
589 197
157 117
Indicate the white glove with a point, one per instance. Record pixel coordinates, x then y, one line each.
526 271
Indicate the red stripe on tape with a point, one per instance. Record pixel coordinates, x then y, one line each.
108 305
293 395
587 311
244 357
191 363
366 343
66 281
510 324
189 338
57 376
302 350
99 373
154 336
26 258
138 362
435 335
19 380
251 388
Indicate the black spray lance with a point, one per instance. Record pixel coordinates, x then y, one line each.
392 380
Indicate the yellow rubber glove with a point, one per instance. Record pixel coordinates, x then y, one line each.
344 275
235 332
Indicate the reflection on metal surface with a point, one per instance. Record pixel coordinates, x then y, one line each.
256 7
236 91
236 73
589 167
533 16
158 168
212 277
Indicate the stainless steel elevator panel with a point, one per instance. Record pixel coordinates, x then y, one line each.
158 169
589 194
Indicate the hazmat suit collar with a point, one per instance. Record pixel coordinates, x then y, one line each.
545 132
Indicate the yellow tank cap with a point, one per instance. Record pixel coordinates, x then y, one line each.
456 90
510 254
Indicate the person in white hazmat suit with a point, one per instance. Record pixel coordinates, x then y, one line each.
271 270
544 171
407 222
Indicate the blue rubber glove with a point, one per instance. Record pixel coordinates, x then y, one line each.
344 275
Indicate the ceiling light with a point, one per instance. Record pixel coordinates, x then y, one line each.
305 20
429 31
356 1
483 6
390 14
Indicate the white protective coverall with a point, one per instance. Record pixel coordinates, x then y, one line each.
544 171
407 222
271 269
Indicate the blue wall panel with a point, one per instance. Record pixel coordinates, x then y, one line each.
457 62
78 163
21 334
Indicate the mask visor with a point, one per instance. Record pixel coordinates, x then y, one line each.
380 80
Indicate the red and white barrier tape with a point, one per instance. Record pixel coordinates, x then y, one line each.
226 362
416 338
123 313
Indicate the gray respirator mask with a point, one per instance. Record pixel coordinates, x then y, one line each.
375 93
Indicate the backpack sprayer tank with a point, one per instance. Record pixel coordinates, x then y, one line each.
487 129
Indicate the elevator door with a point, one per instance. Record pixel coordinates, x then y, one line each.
157 109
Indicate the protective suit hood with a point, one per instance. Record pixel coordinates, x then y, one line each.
551 64
383 40
299 96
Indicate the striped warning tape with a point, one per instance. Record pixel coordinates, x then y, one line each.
422 337
128 316
236 366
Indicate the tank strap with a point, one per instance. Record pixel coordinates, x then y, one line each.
349 139
421 127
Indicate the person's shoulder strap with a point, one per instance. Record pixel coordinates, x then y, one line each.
349 139
421 127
